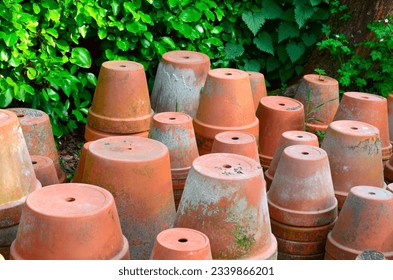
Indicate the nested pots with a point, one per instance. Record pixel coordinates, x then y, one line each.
258 87
226 105
70 222
178 82
44 170
92 134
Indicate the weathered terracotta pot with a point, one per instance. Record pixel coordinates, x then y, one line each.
258 87
175 130
302 191
226 105
178 82
92 134
78 176
320 98
181 244
368 108
370 255
390 116
365 222
121 102
284 256
276 115
37 131
224 197
70 222
301 248
137 172
354 150
7 236
388 170
236 142
288 138
44 170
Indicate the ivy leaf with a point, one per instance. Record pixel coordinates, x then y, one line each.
271 10
254 21
81 57
190 15
302 14
233 50
287 30
295 50
264 42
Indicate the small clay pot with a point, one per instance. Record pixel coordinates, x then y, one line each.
226 105
181 244
302 191
37 131
121 102
276 115
284 256
178 82
288 138
365 222
44 170
92 134
258 87
354 150
236 142
368 108
78 176
224 197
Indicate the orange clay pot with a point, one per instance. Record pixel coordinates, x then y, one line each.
302 191
224 197
288 138
226 105
236 142
301 248
37 131
175 130
365 222
178 82
70 222
276 115
320 98
390 116
368 108
92 134
121 102
137 172
354 150
44 170
283 256
258 87
78 176
181 244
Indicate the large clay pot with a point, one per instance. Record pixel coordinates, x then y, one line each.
178 82
70 222
92 134
226 105
225 198
44 170
258 87
137 172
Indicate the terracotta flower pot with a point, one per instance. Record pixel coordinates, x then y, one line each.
370 255
258 87
92 134
320 98
181 244
288 138
354 150
284 256
224 197
368 108
236 142
78 176
301 248
175 130
178 82
121 102
70 222
276 115
365 222
137 172
390 116
37 131
388 170
226 105
44 170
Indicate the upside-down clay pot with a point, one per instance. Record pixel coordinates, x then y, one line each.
258 87
302 191
368 108
121 102
288 138
44 170
37 131
354 150
365 222
78 176
276 115
181 244
225 198
390 116
320 98
226 105
178 82
70 222
236 142
175 130
137 172
92 134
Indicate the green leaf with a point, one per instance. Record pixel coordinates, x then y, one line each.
5 98
376 55
132 27
302 14
53 32
309 39
264 42
4 56
271 10
91 78
287 30
83 30
172 3
54 15
36 8
272 64
209 15
214 41
254 21
159 47
10 39
295 50
190 15
315 2
102 33
169 42
201 6
53 95
252 65
233 50
31 73
146 18
79 116
81 57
